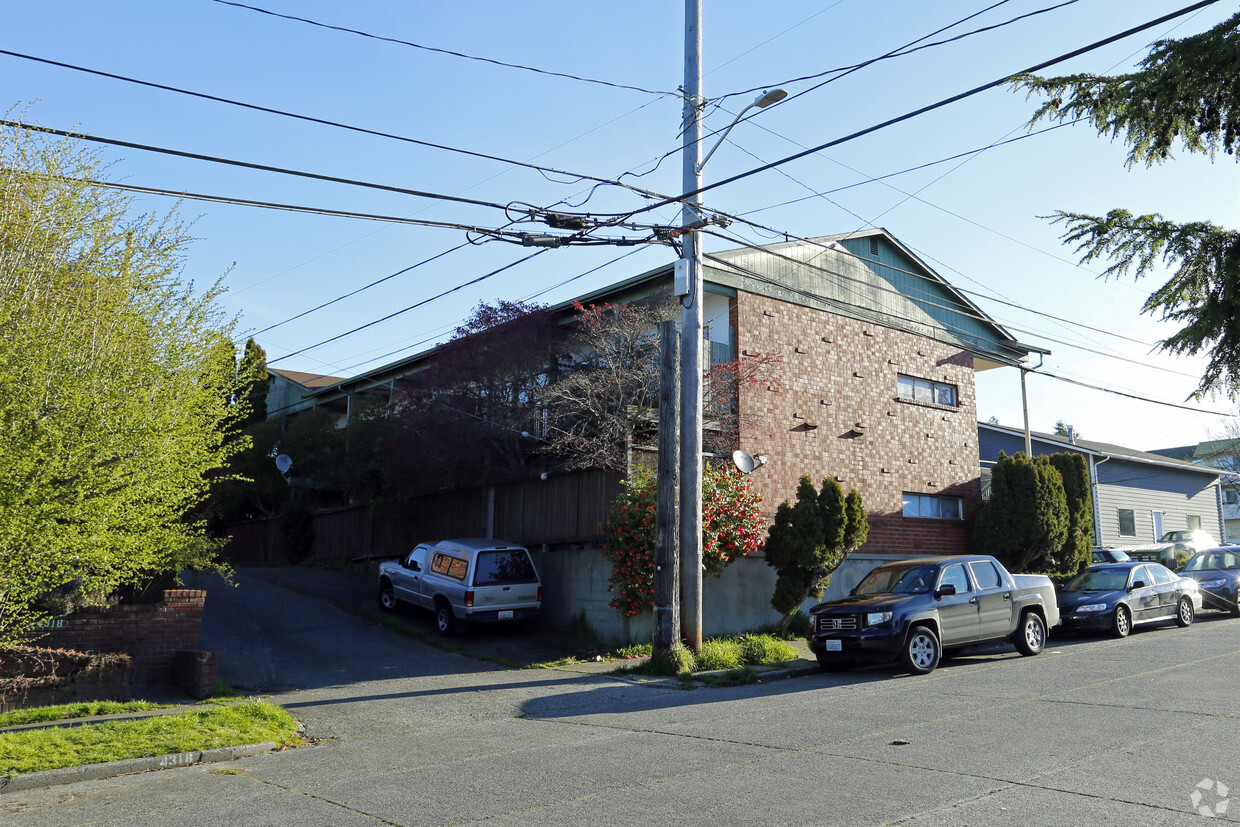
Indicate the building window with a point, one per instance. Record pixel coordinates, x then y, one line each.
1230 497
1194 522
926 392
1127 522
935 508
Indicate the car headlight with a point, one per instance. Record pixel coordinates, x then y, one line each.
1092 607
1213 583
875 618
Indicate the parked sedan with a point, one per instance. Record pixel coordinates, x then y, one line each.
1217 571
1119 596
1109 555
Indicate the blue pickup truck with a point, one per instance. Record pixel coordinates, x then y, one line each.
913 610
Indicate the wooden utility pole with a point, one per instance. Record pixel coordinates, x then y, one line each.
666 521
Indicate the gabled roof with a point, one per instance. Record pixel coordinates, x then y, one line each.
306 380
868 275
1105 449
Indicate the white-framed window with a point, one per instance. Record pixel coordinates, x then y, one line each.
1193 521
926 391
933 507
1127 522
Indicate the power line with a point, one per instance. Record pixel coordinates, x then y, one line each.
449 52
336 124
1040 372
410 307
215 159
923 110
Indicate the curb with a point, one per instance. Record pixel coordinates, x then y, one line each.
98 772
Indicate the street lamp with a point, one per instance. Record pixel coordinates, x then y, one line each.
761 102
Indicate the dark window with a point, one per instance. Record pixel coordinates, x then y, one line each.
1127 523
986 575
504 567
926 391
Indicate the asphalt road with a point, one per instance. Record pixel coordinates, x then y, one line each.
1093 731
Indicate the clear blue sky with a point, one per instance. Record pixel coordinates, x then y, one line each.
975 220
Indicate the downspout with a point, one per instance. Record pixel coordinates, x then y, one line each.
1094 462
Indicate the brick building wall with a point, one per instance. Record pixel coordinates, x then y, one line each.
836 412
151 634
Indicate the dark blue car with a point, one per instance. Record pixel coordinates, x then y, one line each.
1217 571
1116 597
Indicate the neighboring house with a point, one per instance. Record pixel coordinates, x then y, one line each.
1138 495
1223 454
289 391
876 389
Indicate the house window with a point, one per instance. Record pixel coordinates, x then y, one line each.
1127 522
933 507
1230 497
1194 522
926 392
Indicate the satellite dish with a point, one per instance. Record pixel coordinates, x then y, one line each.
743 461
283 463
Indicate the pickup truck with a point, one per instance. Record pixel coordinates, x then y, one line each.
914 610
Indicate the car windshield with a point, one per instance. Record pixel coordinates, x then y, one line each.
503 567
1104 580
1176 537
1213 560
912 579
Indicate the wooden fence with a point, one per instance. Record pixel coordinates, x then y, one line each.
563 509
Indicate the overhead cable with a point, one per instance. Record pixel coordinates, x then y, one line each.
923 110
448 52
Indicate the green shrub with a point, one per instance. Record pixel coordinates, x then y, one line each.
720 653
676 661
764 650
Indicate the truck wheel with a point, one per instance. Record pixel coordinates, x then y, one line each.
1032 634
1121 622
387 597
921 651
1184 614
445 621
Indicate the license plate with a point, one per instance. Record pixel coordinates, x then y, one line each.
834 645
506 615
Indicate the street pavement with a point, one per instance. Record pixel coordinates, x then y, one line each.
1093 731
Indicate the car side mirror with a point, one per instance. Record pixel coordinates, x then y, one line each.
1140 584
852 592
946 590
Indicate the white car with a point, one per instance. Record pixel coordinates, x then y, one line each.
1192 540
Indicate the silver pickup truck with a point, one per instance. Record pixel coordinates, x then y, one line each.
464 581
913 610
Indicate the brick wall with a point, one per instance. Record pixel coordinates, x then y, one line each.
836 412
151 634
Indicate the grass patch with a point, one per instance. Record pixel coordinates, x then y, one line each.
64 712
250 722
734 653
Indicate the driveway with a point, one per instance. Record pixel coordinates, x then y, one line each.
1093 731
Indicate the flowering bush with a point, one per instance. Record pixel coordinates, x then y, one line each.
731 528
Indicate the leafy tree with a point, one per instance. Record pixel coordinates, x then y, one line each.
1065 429
810 539
724 417
608 395
1026 519
252 382
1075 553
470 416
1184 92
112 409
